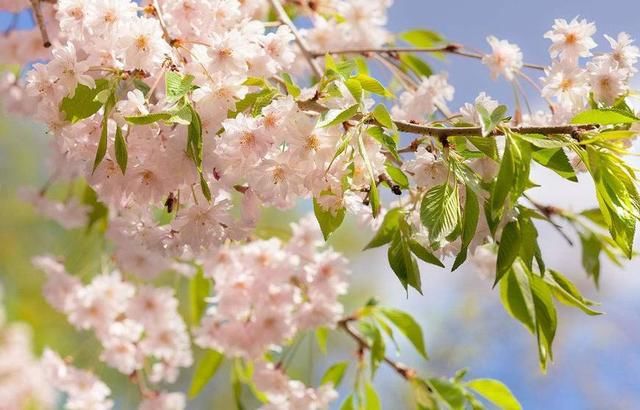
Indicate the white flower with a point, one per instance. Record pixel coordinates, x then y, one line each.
567 83
427 169
571 40
144 47
505 58
623 52
607 79
164 401
432 92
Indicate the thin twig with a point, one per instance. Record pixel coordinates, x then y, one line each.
406 372
454 49
548 211
157 12
37 11
284 18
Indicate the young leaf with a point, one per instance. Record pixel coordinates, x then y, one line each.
566 292
372 85
206 368
199 289
451 393
402 261
335 374
440 211
508 250
371 397
338 117
381 114
83 104
421 38
496 392
388 227
177 86
470 218
327 220
591 248
121 150
149 118
102 145
407 325
556 160
604 117
424 254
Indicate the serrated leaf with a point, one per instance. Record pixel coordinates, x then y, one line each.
397 176
354 88
402 261
496 392
206 368
470 219
566 292
177 86
408 326
556 160
148 118
102 145
604 117
440 211
381 114
421 38
451 393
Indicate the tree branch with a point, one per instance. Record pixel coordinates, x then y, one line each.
37 12
405 372
454 49
304 47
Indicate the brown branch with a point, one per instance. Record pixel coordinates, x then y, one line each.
548 211
304 47
454 49
37 12
405 372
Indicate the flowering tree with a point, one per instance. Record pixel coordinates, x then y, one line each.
180 120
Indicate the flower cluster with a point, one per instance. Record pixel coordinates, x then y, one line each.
278 290
23 382
135 325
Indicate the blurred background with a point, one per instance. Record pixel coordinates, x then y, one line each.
597 359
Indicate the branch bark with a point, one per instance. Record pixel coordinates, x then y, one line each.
405 372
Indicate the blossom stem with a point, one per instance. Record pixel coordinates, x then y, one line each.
548 211
37 12
304 47
405 372
454 49
157 12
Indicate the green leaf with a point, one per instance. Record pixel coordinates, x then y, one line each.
415 64
378 347
421 38
451 393
397 175
148 118
177 86
546 141
292 88
485 145
591 248
422 393
513 175
546 319
566 292
402 261
388 227
206 368
470 218
489 121
121 150
354 88
374 196
83 104
496 392
322 334
348 403
102 144
508 250
336 117
556 160
407 325
424 254
328 221
335 374
440 211
604 117
381 114
199 290
371 397
372 85
515 293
